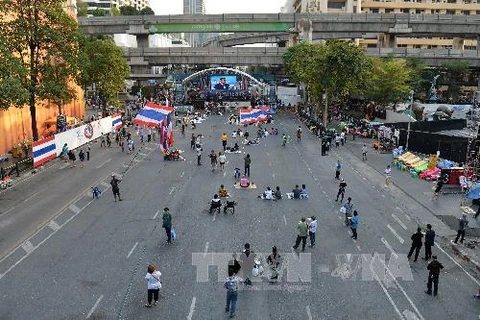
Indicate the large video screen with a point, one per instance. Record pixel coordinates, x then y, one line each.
223 82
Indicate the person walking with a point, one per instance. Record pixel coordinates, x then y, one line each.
167 224
438 187
199 154
231 284
213 159
312 229
429 242
115 189
348 210
462 226
434 268
247 163
153 285
388 175
222 158
416 244
247 261
341 190
354 224
299 134
192 141
364 152
302 232
224 139
338 169
273 261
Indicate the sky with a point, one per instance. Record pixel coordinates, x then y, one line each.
162 7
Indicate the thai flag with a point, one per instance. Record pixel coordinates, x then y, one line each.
152 115
117 121
166 134
249 116
43 151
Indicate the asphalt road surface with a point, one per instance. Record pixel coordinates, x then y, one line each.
67 256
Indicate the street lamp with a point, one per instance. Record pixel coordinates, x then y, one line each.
410 96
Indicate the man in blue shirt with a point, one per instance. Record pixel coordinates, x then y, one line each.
354 224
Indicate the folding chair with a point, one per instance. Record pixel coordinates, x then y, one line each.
229 207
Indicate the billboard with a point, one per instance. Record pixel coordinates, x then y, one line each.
223 82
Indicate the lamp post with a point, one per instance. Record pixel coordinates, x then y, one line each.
410 96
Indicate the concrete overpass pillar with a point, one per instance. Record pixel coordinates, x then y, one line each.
142 41
458 43
386 41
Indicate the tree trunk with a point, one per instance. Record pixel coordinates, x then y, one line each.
33 89
33 115
325 112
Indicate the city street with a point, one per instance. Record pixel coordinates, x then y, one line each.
64 255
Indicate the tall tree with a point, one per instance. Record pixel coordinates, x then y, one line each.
98 12
106 67
82 8
129 11
147 11
454 74
39 37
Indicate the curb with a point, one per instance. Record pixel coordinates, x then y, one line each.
465 256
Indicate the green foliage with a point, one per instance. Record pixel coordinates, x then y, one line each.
128 11
40 47
387 81
147 11
82 8
453 74
116 12
99 12
105 66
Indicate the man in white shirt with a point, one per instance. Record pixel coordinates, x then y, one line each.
388 175
364 152
312 229
267 195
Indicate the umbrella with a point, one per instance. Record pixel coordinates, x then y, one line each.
474 192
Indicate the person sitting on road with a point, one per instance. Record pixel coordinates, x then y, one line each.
277 195
215 203
296 192
244 183
267 195
222 192
303 192
256 141
236 174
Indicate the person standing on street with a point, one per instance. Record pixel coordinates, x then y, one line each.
364 152
338 169
438 187
434 268
231 284
224 139
312 229
429 242
348 210
462 226
299 134
416 244
247 162
247 261
115 189
302 232
167 224
192 141
341 190
354 224
199 154
153 285
388 175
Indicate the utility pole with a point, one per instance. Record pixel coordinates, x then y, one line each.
409 119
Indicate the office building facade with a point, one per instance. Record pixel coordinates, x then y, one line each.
194 7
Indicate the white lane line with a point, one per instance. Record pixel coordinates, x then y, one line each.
183 172
408 217
9 210
358 247
94 307
171 190
137 160
192 308
451 258
389 247
402 290
156 214
309 314
131 251
284 220
142 154
64 166
224 173
409 315
206 249
394 305
395 234
103 163
125 165
273 176
28 246
106 185
32 196
214 217
399 221
53 225
74 208
398 208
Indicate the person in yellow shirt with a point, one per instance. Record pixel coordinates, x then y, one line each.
222 192
224 139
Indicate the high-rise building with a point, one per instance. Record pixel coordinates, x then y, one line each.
459 7
137 4
194 7
106 5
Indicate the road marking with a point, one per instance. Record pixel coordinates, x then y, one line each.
386 292
284 220
224 173
142 154
149 149
64 166
214 217
358 247
273 176
9 210
206 249
74 208
125 165
268 154
171 190
183 172
106 185
398 208
53 225
389 247
156 214
395 233
409 315
399 221
137 160
192 308
28 246
131 251
451 258
270 164
32 196
103 163
309 314
94 307
408 217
